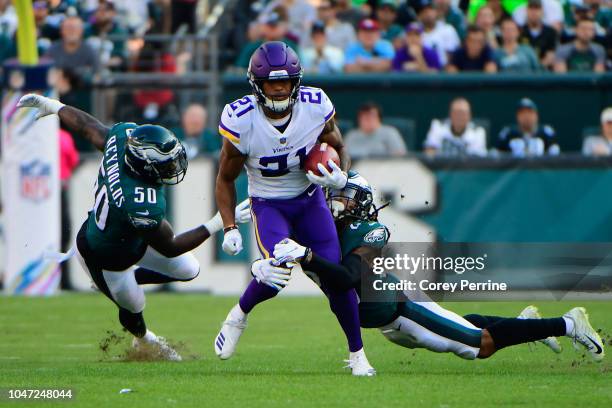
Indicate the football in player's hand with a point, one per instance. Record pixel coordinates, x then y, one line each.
321 153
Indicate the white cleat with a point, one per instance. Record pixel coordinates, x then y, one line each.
157 345
227 339
359 365
584 333
532 312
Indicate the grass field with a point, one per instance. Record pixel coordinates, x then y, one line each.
291 355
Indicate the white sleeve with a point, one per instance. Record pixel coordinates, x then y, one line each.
452 39
433 139
479 146
229 129
327 107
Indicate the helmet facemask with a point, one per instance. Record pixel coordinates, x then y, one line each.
270 104
352 202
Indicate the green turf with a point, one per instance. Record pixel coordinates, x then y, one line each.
291 355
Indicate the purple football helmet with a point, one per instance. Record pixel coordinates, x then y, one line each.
275 60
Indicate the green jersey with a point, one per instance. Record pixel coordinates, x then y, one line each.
124 206
381 307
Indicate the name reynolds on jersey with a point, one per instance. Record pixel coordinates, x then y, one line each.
111 169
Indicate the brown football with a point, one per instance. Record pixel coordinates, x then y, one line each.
320 153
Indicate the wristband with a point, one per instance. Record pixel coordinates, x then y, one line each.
231 227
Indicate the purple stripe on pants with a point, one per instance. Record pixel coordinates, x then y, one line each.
306 219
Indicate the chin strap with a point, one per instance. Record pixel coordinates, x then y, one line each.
374 214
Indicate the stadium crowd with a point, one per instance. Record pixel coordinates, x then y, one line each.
521 36
87 38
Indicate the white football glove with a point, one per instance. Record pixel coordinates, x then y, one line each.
46 106
337 179
232 242
267 272
288 250
242 214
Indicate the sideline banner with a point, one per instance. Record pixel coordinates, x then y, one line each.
30 189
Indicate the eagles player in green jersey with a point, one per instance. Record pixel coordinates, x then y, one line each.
126 240
415 324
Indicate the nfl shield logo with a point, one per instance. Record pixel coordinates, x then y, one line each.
283 140
35 180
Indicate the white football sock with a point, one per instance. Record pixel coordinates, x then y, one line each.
237 313
359 352
569 326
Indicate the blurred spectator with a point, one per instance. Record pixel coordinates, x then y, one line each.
8 18
370 53
552 14
485 20
184 12
512 56
321 57
475 55
372 138
601 11
581 55
386 14
103 24
153 104
528 137
340 34
414 56
300 16
46 31
452 15
437 34
196 138
582 11
348 13
69 159
273 29
457 135
501 9
543 38
600 145
138 15
72 53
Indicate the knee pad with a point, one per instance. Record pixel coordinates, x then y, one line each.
186 268
125 291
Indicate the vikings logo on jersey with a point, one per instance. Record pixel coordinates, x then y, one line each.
275 159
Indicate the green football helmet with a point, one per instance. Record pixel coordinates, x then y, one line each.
354 201
155 154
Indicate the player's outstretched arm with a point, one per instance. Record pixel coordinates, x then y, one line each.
163 240
332 136
342 276
75 120
84 125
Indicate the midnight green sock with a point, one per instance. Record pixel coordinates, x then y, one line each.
511 331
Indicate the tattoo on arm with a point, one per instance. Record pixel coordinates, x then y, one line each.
332 136
84 125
